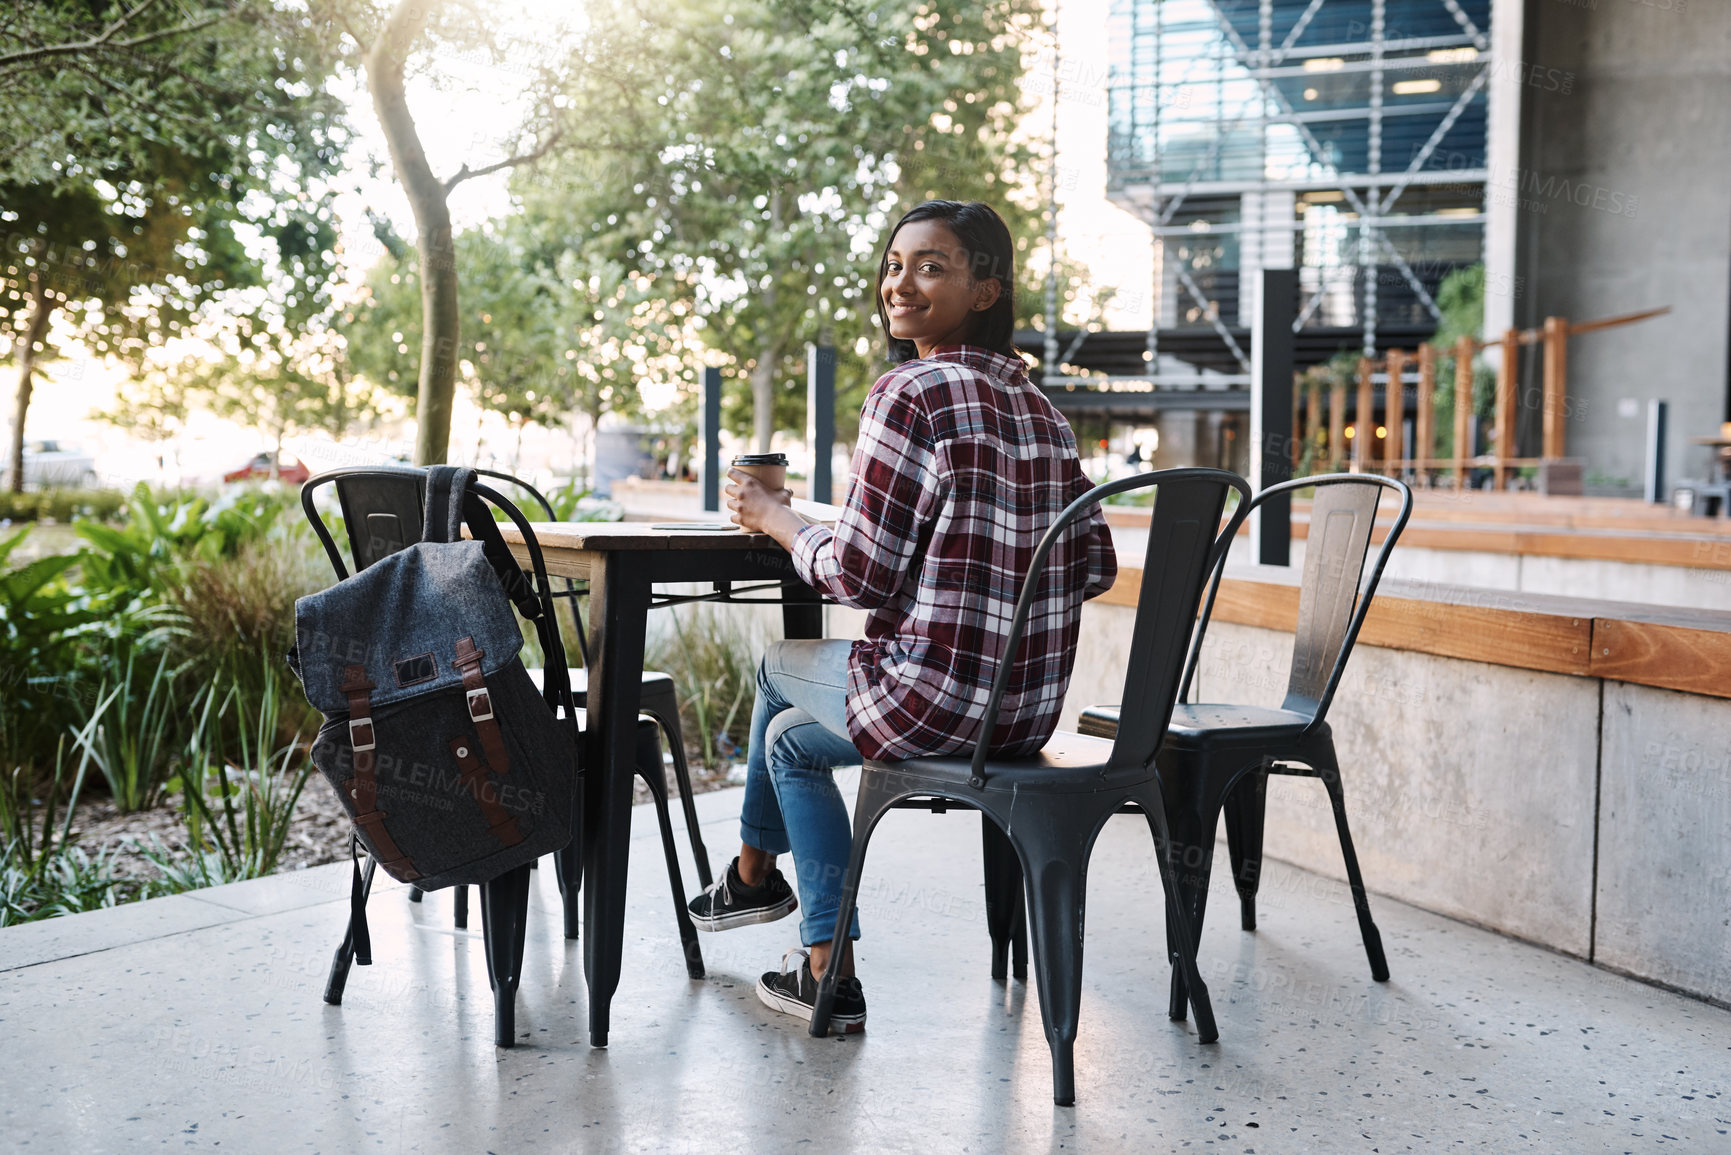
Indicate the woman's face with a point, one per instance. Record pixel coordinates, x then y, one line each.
929 292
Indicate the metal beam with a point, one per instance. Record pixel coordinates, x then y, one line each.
1149 404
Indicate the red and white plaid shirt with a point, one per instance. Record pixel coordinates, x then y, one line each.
962 466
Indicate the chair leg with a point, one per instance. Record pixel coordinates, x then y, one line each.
568 864
1330 776
665 710
504 917
460 907
1246 810
1183 936
1189 857
415 894
1053 858
570 868
650 770
1006 913
870 805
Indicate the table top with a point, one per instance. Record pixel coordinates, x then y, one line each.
609 536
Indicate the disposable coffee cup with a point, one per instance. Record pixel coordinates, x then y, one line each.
770 469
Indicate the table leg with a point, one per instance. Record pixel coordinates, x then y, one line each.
618 612
801 611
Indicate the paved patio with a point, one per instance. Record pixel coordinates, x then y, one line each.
195 1022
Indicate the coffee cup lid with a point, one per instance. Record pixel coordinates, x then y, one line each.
761 459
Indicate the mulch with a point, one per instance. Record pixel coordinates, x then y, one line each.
318 833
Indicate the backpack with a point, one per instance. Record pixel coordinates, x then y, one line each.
452 765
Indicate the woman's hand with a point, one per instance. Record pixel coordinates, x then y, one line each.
761 510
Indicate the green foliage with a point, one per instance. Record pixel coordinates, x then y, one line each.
714 668
1461 298
41 873
149 179
745 158
238 797
280 380
168 77
133 729
573 501
161 534
61 505
110 640
546 330
44 624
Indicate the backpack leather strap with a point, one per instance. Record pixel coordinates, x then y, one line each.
364 786
480 701
499 820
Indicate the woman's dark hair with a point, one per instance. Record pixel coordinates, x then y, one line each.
991 254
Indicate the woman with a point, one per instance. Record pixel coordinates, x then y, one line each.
961 466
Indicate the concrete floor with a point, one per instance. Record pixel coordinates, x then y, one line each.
196 1023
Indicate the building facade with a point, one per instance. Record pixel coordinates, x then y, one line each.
1577 150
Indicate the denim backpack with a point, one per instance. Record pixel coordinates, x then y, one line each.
454 767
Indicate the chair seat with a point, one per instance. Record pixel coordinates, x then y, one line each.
1069 764
1192 724
652 680
1211 724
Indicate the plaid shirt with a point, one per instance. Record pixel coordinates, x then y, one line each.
961 467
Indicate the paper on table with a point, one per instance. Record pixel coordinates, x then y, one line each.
816 512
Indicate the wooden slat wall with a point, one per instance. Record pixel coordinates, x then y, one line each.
1644 653
1694 661
1686 547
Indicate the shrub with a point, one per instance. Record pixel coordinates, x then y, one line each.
46 627
714 668
239 614
134 732
42 874
237 800
62 504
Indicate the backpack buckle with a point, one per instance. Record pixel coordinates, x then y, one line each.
355 725
480 705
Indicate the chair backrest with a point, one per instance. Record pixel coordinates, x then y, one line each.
383 508
383 512
1185 541
1336 590
570 594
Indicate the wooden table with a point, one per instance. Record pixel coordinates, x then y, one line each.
622 561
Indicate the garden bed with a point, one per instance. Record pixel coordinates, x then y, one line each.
318 833
151 740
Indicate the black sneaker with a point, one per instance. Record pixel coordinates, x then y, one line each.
730 903
795 993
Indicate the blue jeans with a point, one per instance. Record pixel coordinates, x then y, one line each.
798 736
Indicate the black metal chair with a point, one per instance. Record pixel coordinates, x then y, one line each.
383 511
1220 756
1051 806
385 514
387 501
659 701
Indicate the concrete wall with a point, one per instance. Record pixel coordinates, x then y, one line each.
1473 789
1639 137
1664 888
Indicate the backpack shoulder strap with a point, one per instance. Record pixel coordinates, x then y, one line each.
447 496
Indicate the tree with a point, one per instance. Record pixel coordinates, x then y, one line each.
756 150
285 381
389 41
205 179
548 330
72 71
